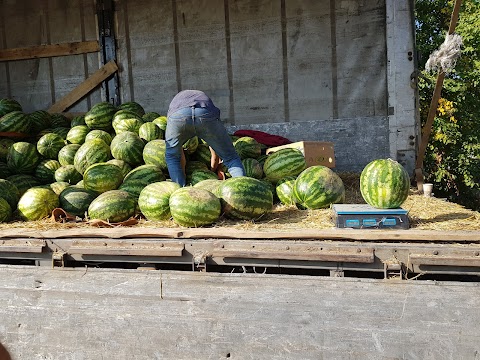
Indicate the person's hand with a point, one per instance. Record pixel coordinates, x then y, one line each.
214 160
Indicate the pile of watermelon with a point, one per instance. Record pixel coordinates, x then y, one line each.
109 164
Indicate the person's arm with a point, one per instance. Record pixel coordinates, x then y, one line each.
183 161
214 160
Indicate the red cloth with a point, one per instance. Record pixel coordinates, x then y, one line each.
263 137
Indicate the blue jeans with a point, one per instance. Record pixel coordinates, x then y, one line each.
196 121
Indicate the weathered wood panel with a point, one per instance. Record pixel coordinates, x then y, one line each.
86 314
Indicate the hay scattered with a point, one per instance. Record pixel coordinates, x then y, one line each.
424 213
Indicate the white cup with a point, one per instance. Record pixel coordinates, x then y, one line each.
427 189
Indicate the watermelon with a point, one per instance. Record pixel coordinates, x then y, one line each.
124 166
113 206
45 171
190 145
150 116
161 122
141 176
91 152
318 187
194 207
59 186
149 131
5 210
37 203
61 130
23 182
68 173
4 170
77 134
5 144
245 198
15 121
154 200
49 145
284 190
133 106
9 192
58 120
39 120
78 120
128 146
100 116
193 165
102 177
76 200
384 183
283 163
248 147
198 175
154 153
203 154
123 125
212 185
253 168
8 106
66 155
99 134
22 158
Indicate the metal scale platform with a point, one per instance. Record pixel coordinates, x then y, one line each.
364 216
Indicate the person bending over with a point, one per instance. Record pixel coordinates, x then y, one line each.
192 113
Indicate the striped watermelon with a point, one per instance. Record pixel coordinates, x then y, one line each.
194 207
77 134
91 152
133 106
124 166
59 120
4 170
128 146
102 177
9 192
113 206
154 154
190 145
283 163
203 154
245 198
76 200
212 185
15 121
253 168
193 165
49 145
78 120
136 180
59 186
5 210
149 131
123 125
248 147
150 116
198 175
23 182
45 171
22 158
100 116
99 134
39 120
161 122
9 105
154 200
68 173
318 187
284 190
384 183
61 130
5 144
66 155
37 203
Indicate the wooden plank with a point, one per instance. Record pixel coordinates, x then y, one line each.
126 248
182 315
22 246
444 260
45 51
84 88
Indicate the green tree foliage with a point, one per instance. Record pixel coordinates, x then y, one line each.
452 160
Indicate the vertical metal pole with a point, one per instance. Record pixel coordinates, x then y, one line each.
105 15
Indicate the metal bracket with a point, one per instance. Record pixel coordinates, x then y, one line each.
58 259
393 269
199 261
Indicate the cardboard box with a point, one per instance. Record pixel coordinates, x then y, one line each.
315 152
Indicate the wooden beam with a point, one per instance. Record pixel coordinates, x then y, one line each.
84 88
44 51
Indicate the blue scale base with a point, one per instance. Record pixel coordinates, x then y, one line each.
364 216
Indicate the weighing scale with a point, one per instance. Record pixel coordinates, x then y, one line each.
364 216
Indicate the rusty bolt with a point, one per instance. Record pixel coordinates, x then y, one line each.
287 247
223 246
435 252
477 253
359 250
